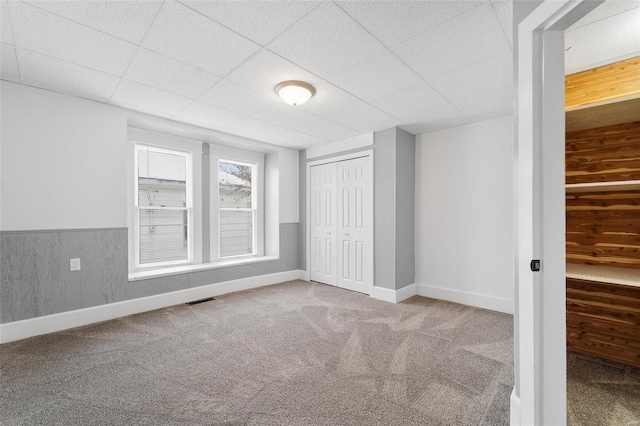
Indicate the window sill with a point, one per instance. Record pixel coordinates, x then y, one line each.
183 269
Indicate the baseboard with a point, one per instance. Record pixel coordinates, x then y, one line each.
515 409
394 296
17 330
467 298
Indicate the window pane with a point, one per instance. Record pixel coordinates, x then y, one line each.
236 233
163 235
161 179
234 183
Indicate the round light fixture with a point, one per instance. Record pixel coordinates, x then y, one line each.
295 92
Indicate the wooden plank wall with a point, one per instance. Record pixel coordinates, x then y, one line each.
604 154
603 228
603 320
607 83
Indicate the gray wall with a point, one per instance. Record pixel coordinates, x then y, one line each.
384 201
405 208
35 278
302 210
394 229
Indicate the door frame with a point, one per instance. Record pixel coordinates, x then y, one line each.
335 159
539 394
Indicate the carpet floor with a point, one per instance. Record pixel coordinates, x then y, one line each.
296 353
601 392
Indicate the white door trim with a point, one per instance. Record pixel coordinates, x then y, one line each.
540 340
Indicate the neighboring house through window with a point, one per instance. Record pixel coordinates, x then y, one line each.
163 206
237 205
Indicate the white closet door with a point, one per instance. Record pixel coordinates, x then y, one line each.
323 223
355 225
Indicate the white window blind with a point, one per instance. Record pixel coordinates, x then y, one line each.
237 208
163 206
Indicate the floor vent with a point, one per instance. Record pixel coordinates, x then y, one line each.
195 302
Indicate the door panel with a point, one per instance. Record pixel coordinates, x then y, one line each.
354 233
323 219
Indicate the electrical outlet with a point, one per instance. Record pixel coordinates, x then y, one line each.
74 264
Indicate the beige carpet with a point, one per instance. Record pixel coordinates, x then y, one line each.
296 353
601 392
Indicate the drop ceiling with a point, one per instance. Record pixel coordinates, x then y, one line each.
420 65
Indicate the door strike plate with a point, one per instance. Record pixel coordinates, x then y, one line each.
535 265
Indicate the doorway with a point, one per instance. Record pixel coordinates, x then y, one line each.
341 223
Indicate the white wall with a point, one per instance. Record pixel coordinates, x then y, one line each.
464 224
64 161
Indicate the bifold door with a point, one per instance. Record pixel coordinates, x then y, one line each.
323 223
342 224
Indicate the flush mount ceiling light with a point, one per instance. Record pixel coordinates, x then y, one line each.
295 92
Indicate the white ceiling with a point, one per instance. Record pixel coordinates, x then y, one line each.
610 33
421 65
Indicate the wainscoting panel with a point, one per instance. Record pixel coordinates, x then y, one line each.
35 278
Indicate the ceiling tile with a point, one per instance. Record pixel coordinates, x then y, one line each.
603 42
329 99
253 126
364 118
158 71
504 12
326 41
477 78
64 77
284 115
327 129
376 76
9 70
187 36
146 97
260 21
128 20
297 140
393 22
434 124
605 10
60 38
469 38
236 98
141 109
6 31
264 71
271 133
411 104
209 115
493 103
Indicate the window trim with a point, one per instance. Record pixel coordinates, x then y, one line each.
188 207
157 139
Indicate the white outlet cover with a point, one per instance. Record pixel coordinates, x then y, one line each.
74 264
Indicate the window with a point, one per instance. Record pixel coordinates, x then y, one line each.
194 205
237 208
163 206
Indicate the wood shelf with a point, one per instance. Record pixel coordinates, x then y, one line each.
629 185
609 83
